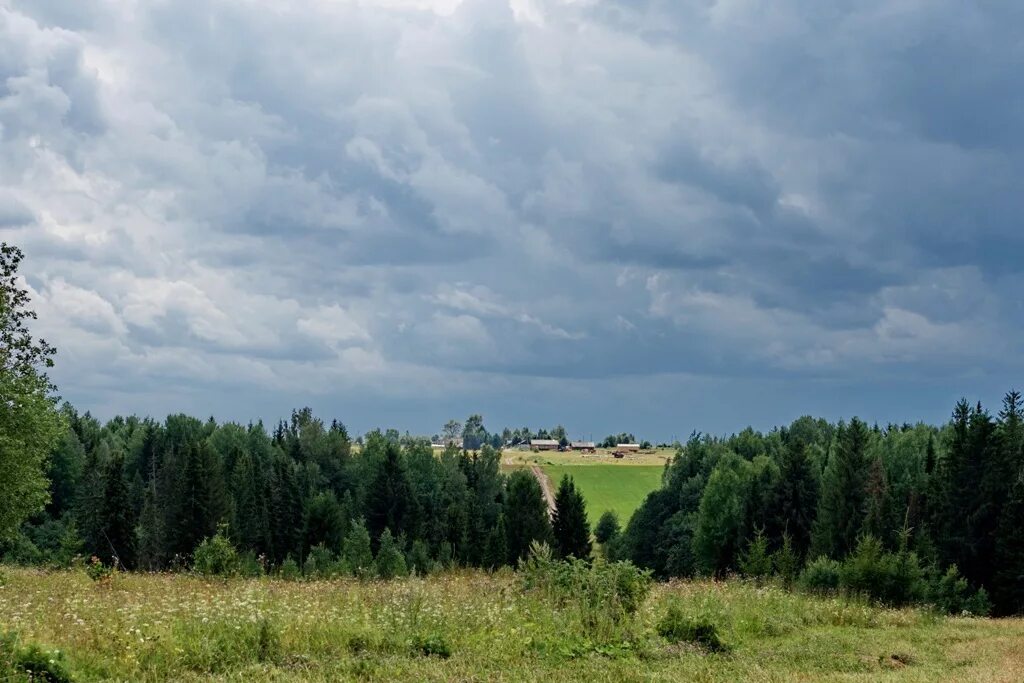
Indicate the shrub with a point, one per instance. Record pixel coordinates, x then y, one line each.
418 559
390 561
216 556
30 662
890 578
251 566
97 571
785 562
320 563
604 595
356 552
433 645
607 527
951 594
289 570
821 575
755 562
676 627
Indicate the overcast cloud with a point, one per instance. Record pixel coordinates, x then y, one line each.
650 215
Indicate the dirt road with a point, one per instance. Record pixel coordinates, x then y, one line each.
545 486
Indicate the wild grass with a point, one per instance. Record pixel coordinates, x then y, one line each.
471 626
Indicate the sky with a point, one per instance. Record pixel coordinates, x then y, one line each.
652 216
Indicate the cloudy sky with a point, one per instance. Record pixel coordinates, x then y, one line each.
644 215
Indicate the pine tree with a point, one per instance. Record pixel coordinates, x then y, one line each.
570 527
842 502
526 513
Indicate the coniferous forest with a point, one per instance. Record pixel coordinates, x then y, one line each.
939 503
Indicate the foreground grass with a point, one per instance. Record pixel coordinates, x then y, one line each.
610 487
175 627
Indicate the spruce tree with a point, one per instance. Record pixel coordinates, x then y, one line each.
1008 582
570 527
390 560
878 518
117 523
496 552
526 513
356 551
285 509
390 498
842 502
607 527
150 532
794 501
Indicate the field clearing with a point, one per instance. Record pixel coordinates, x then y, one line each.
609 487
513 459
177 627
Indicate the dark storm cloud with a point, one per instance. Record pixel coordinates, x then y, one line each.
356 204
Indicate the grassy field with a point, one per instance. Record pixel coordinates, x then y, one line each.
177 627
610 487
608 483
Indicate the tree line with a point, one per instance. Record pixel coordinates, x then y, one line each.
934 502
143 495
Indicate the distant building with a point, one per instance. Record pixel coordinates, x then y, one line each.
627 447
544 444
586 446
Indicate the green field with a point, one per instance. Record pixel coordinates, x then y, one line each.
475 626
620 488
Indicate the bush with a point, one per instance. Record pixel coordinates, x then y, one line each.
97 571
418 559
251 566
821 575
320 563
30 662
216 556
951 594
390 561
289 570
607 527
785 562
893 579
433 645
356 553
677 628
604 595
755 562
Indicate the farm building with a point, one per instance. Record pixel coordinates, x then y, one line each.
544 444
627 447
586 446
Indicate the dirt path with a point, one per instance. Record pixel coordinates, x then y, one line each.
545 487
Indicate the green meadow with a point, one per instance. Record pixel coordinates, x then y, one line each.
474 626
620 488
